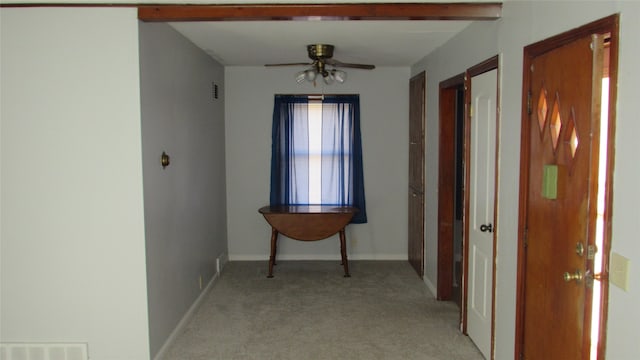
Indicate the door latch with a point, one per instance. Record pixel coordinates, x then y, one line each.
590 277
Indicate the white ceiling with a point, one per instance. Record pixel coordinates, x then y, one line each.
381 43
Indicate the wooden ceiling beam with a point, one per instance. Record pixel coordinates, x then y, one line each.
369 11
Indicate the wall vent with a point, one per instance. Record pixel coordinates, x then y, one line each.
43 351
214 90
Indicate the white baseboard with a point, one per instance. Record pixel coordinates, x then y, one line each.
221 261
382 257
431 287
287 257
185 319
248 257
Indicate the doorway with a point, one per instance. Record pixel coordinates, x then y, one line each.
416 172
566 170
451 189
466 216
458 196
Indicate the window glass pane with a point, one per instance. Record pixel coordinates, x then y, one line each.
315 152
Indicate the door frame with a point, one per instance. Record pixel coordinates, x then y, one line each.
446 191
605 25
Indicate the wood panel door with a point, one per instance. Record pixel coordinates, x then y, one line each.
559 167
416 172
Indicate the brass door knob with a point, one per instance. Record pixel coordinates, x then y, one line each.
577 276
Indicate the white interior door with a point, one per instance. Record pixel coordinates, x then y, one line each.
481 215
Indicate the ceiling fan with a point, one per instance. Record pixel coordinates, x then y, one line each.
322 55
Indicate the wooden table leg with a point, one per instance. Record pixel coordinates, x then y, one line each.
343 252
272 256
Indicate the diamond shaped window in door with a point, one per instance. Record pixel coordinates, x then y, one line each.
571 135
555 124
542 109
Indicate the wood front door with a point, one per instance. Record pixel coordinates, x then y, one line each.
416 172
558 205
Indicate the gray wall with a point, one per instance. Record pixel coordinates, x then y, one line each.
384 94
523 23
72 236
476 43
185 211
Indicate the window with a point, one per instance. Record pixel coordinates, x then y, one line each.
316 152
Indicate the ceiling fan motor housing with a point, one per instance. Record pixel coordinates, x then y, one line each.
320 51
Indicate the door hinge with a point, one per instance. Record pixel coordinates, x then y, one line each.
591 252
521 357
529 103
526 237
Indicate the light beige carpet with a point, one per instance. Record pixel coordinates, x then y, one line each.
310 311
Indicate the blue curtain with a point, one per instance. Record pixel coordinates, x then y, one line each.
289 173
342 181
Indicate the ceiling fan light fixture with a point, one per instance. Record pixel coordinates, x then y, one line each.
339 75
328 78
310 74
301 76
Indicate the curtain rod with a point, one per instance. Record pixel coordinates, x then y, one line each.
317 96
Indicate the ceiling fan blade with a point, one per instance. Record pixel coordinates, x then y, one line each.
290 64
348 65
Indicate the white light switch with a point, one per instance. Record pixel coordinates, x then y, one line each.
619 271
